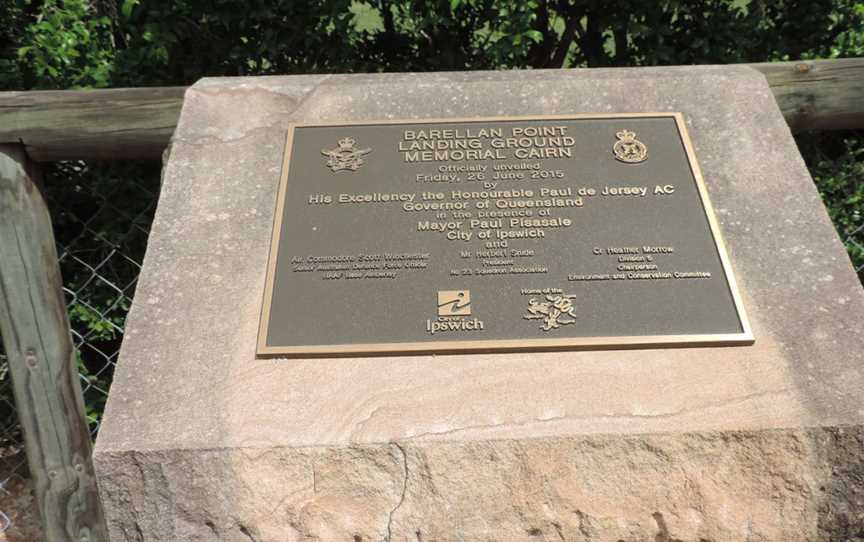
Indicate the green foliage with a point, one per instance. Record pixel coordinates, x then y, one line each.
12 26
178 42
69 46
69 43
836 162
850 36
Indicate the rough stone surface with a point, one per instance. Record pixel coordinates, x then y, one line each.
713 486
201 441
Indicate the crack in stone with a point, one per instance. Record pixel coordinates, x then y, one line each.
244 530
583 528
389 535
559 531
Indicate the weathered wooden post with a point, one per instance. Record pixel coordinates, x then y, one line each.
37 340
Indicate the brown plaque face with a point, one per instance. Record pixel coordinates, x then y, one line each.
495 234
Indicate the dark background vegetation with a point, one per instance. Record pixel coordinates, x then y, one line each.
101 209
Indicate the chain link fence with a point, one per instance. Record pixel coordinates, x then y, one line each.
101 226
855 247
102 216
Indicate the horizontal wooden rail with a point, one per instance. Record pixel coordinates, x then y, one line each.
819 94
111 124
137 123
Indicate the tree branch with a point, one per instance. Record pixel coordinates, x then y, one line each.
567 37
622 47
540 51
387 17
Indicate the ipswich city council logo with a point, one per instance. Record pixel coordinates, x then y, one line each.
346 156
454 309
556 311
454 303
628 149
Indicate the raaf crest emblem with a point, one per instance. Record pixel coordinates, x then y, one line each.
346 156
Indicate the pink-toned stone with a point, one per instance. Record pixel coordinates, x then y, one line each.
202 441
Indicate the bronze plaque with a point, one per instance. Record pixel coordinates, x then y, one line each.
589 231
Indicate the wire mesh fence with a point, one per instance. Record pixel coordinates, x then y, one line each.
855 247
101 222
102 216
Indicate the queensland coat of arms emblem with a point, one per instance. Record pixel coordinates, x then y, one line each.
629 149
556 311
346 156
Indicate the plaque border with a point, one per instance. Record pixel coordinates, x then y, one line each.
745 337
